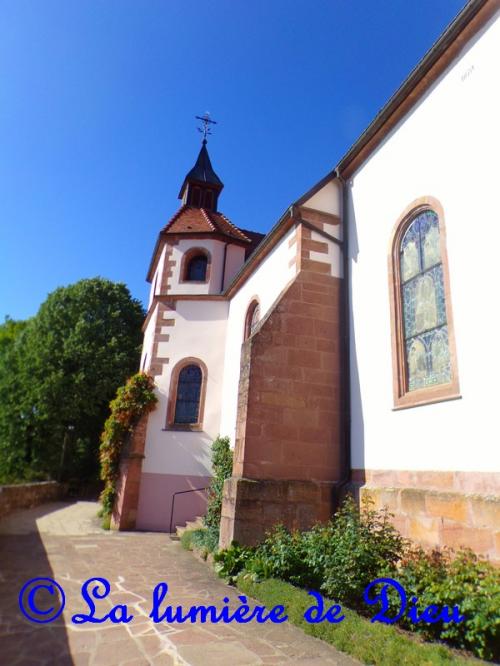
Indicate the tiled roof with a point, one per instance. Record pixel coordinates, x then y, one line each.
191 220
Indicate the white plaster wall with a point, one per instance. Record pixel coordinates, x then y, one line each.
447 148
266 283
235 258
213 286
199 331
147 346
327 199
156 281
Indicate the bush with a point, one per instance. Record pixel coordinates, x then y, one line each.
343 556
203 539
222 465
359 546
340 558
462 580
231 562
283 554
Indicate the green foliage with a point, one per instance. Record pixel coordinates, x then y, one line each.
343 556
203 539
282 555
340 558
231 562
222 465
462 580
377 644
58 372
354 548
132 401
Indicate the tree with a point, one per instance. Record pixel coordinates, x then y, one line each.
69 360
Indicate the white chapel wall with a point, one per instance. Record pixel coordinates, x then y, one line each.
199 331
447 148
266 283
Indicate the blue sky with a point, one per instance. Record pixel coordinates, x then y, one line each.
97 128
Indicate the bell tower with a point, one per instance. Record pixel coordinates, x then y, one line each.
202 186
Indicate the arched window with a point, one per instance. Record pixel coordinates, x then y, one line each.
196 270
252 318
423 341
187 395
187 404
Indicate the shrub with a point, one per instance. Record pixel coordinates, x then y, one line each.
203 539
340 558
283 554
222 465
232 561
464 580
353 549
343 556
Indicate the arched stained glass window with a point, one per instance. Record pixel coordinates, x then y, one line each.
197 268
187 404
423 300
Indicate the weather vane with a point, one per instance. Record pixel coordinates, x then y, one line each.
207 121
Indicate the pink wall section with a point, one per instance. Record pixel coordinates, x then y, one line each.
155 500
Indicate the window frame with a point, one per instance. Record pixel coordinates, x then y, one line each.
403 398
172 395
252 306
188 256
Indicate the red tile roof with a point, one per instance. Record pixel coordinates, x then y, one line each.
191 220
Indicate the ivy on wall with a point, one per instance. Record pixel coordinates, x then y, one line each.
132 401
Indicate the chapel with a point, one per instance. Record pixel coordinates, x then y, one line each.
351 348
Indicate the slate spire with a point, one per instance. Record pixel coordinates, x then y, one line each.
201 186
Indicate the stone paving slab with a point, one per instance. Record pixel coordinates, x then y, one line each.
65 542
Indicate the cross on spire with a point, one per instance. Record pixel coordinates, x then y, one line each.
207 121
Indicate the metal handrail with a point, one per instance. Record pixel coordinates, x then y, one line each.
181 492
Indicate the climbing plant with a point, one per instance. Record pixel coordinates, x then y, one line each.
132 401
222 464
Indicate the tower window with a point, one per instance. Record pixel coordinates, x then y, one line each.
209 200
197 268
195 197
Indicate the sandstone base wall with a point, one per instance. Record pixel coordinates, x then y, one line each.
434 518
252 507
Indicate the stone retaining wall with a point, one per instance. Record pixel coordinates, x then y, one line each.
27 495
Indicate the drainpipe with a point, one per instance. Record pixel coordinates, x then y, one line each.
345 335
223 269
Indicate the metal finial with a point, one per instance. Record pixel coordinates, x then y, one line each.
207 121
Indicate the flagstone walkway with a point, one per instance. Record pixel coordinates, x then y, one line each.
65 543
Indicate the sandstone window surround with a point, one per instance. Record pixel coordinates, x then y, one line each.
196 265
186 397
424 356
252 318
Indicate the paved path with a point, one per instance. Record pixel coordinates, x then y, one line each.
65 542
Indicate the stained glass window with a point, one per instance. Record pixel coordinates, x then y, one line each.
424 305
197 268
187 405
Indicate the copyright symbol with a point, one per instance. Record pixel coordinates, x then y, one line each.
42 600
